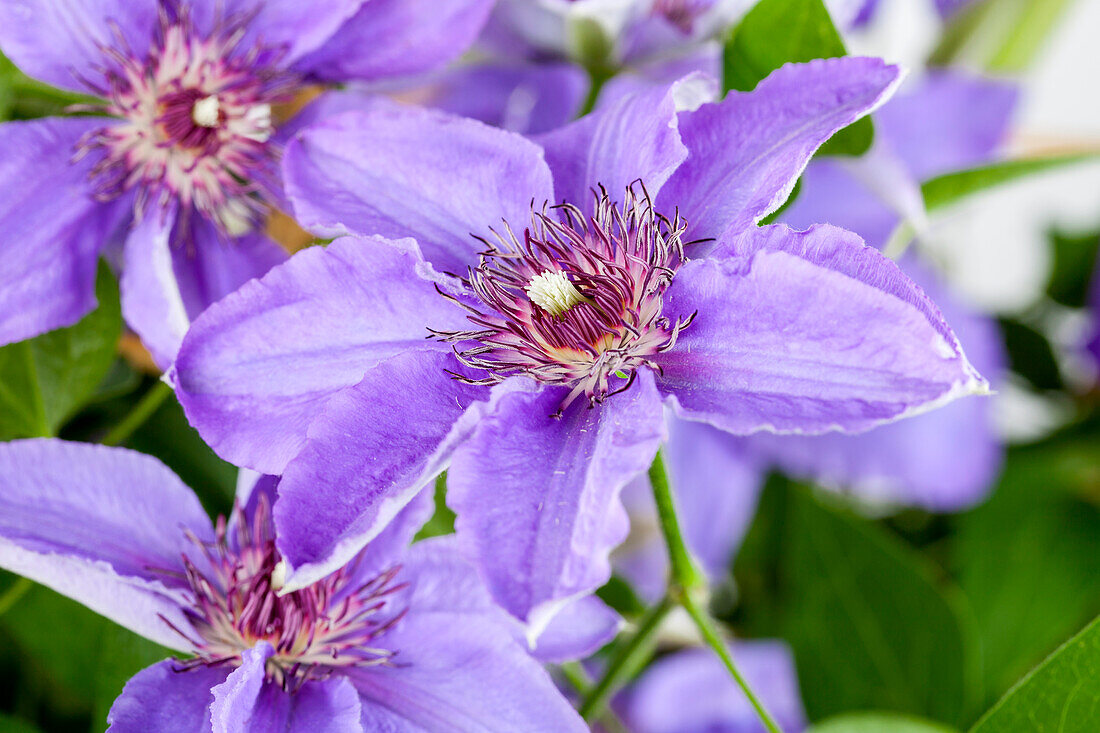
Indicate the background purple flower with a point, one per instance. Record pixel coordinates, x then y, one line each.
326 357
174 181
400 638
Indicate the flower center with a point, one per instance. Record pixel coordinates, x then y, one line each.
682 13
578 302
331 624
194 123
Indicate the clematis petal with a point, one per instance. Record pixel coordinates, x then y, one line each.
633 138
747 151
247 702
692 690
53 228
457 664
578 631
537 498
368 454
53 40
259 366
161 698
525 98
97 524
388 38
392 172
943 461
298 27
805 332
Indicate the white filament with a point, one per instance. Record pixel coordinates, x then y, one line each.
553 292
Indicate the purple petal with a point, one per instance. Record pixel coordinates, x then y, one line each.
166 284
662 71
807 332
636 137
297 26
943 461
692 691
950 120
392 172
158 698
526 98
260 365
246 702
53 228
578 631
716 486
747 151
371 450
831 195
389 38
537 498
457 665
50 40
97 524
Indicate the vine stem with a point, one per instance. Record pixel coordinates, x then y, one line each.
142 411
688 584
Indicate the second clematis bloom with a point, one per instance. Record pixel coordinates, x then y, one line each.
541 375
400 638
175 170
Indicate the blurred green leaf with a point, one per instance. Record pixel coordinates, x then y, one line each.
1062 695
9 724
45 380
776 32
1030 354
998 35
870 624
443 520
1028 559
952 187
1074 262
873 722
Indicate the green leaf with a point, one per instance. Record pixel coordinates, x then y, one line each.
1032 21
952 187
1074 262
8 724
1061 695
1030 354
776 32
872 722
1028 559
998 35
45 380
868 619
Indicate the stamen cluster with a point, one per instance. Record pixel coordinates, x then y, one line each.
329 625
578 301
195 119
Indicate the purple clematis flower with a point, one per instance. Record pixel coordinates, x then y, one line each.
545 376
179 164
401 638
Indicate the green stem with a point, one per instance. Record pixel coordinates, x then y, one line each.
43 426
142 411
630 656
581 681
12 595
687 584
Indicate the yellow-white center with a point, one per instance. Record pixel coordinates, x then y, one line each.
205 112
553 292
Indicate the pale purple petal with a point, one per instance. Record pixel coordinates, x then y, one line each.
526 98
96 524
943 461
747 151
806 332
706 60
830 195
294 25
235 699
53 228
160 698
366 455
537 498
398 37
259 366
52 39
716 485
458 667
692 692
394 172
633 138
578 631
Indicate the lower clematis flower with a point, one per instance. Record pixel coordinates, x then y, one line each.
175 170
400 638
360 370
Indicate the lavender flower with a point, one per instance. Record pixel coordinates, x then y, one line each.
550 362
179 164
399 638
